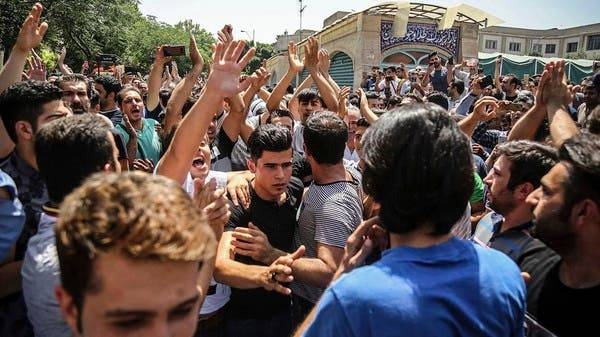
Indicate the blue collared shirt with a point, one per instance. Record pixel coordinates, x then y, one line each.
12 216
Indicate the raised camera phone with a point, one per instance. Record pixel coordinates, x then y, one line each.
173 50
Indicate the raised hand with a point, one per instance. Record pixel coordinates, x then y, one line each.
260 78
237 188
32 32
129 127
160 58
212 202
360 244
485 108
295 64
226 35
195 55
324 61
311 54
553 88
226 69
37 69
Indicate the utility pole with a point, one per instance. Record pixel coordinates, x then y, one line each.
301 9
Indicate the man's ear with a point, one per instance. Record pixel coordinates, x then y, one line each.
24 130
67 307
585 212
251 165
523 190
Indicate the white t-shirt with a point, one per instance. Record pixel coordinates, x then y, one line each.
214 302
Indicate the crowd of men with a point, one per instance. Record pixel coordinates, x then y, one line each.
430 202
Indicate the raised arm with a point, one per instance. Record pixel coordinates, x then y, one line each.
30 36
64 69
365 111
557 97
184 88
293 104
222 82
324 66
528 124
294 69
497 72
155 78
484 110
311 52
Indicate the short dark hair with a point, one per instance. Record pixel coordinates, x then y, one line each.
581 154
280 113
325 136
418 166
109 83
94 96
123 91
438 98
72 78
362 122
23 101
164 95
459 85
307 95
69 149
529 161
268 137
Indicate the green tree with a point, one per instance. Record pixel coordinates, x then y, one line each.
264 52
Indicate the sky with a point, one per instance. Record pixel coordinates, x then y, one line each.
267 19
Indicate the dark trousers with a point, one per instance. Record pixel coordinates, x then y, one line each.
277 325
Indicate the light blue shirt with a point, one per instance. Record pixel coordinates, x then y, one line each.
41 274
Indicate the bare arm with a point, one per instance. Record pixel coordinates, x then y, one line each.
64 69
320 270
222 82
155 78
324 66
184 88
365 111
485 109
497 74
557 96
311 51
295 67
30 36
526 126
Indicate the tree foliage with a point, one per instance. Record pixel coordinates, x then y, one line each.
90 27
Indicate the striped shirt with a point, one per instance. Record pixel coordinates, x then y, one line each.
328 215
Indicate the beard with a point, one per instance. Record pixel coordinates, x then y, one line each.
555 231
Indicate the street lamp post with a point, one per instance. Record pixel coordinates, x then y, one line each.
247 33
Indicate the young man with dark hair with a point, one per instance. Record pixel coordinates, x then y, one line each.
76 92
567 217
510 84
274 199
132 250
515 174
428 283
109 87
139 133
330 211
67 151
456 92
26 107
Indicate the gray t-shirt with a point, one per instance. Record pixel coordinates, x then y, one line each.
328 215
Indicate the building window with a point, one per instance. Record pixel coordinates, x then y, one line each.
514 46
537 48
572 47
550 48
593 42
490 44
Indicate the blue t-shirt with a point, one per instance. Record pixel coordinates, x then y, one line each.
149 143
455 288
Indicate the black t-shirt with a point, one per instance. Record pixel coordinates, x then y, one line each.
278 222
511 98
220 152
564 311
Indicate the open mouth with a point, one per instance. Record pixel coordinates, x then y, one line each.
198 162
